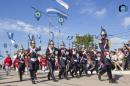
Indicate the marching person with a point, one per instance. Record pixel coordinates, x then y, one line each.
7 64
83 61
75 62
104 46
69 61
26 63
127 59
43 63
21 67
33 61
16 62
51 53
62 61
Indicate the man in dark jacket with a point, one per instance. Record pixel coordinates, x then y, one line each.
51 53
105 58
62 61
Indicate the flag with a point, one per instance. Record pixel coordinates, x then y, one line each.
5 45
16 46
39 37
69 37
62 3
37 15
52 34
10 36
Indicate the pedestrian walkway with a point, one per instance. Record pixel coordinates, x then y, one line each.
122 77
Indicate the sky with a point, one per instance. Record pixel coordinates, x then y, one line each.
84 17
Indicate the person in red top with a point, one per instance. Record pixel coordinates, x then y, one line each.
8 60
7 64
16 63
26 63
43 63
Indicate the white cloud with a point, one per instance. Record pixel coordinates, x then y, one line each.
126 22
101 12
16 25
21 26
87 8
117 42
90 8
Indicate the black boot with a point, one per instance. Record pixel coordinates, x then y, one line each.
72 74
48 76
99 77
112 81
33 82
54 80
59 76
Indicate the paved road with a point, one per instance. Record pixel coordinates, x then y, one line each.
123 79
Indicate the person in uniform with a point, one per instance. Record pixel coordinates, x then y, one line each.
75 62
69 61
51 53
107 65
127 58
62 61
16 62
83 61
21 67
7 64
33 61
43 63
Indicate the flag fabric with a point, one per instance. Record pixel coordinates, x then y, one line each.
63 3
52 34
10 36
5 45
39 38
12 41
37 15
69 37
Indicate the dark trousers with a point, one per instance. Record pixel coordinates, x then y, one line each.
21 70
75 69
68 67
96 67
126 62
51 67
63 72
83 68
33 69
108 70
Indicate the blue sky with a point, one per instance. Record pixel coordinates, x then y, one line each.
85 16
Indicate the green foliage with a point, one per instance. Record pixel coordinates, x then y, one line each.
86 40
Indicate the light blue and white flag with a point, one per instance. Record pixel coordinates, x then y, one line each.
63 3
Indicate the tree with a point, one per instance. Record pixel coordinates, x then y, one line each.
86 40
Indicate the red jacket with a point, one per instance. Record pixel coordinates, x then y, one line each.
43 62
26 60
16 62
8 61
